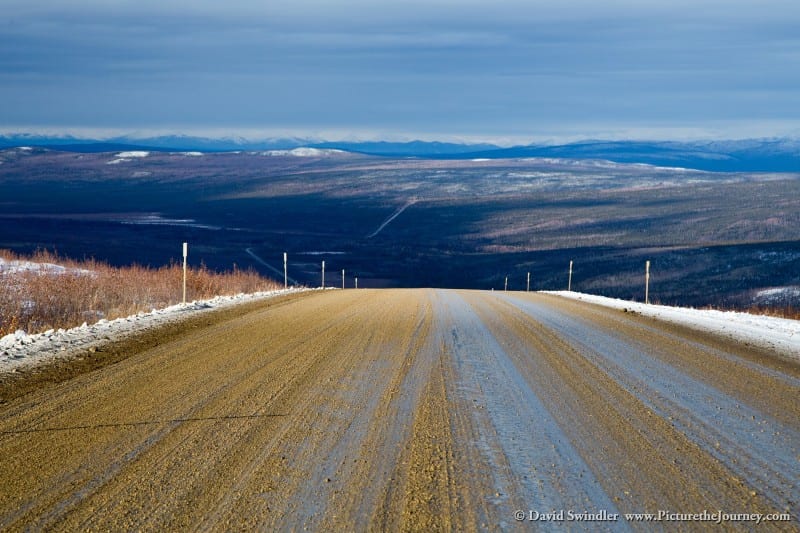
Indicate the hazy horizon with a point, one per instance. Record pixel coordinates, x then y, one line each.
255 136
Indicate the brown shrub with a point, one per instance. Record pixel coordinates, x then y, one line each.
779 311
87 291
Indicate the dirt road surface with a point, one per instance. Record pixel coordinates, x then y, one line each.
407 410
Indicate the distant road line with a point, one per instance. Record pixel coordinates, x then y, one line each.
392 217
279 273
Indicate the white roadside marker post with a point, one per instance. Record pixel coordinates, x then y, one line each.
342 279
356 282
285 271
647 282
505 287
185 254
528 289
323 274
569 283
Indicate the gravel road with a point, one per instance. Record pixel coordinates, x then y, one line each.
404 410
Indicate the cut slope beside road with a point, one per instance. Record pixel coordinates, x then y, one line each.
416 409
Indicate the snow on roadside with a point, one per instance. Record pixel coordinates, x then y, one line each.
20 350
777 334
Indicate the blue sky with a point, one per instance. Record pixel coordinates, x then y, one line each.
504 71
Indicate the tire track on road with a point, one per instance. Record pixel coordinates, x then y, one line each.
760 452
531 461
330 467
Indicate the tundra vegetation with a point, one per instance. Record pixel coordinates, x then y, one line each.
45 291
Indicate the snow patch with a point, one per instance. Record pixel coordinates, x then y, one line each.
776 334
779 291
777 296
303 152
320 252
154 219
124 157
17 267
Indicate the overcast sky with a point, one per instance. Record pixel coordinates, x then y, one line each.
497 70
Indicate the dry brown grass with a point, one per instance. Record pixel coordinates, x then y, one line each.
38 300
776 311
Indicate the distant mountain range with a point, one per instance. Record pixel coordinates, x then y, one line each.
752 155
176 143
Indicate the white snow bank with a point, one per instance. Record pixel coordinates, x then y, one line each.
777 334
20 350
